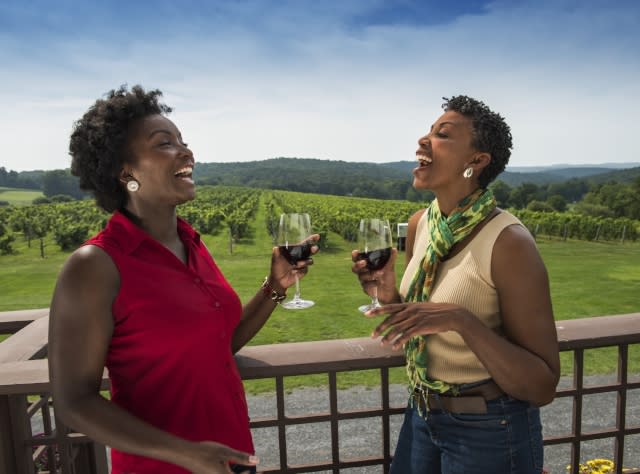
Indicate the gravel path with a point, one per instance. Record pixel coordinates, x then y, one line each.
311 443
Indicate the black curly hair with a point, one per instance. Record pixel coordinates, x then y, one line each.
491 134
99 139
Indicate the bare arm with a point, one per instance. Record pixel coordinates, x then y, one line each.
80 331
526 364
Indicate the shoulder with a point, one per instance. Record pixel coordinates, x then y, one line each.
415 218
512 234
515 252
86 287
89 265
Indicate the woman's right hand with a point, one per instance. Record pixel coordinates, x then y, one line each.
385 278
215 458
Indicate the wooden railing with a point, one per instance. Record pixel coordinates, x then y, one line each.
25 392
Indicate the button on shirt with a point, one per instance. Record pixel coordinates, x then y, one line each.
170 360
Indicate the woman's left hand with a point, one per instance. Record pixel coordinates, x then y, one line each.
283 274
407 320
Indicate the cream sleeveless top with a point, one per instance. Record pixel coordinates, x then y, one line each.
465 279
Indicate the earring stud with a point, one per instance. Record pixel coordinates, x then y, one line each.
133 185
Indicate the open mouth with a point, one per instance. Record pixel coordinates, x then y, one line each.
423 160
186 172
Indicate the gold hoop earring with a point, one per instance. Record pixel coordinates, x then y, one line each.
133 185
468 173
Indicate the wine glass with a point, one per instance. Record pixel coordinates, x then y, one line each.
374 244
293 230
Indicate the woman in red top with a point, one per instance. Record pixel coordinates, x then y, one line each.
145 299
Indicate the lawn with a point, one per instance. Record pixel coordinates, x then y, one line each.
587 279
19 197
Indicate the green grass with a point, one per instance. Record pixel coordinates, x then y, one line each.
19 197
587 279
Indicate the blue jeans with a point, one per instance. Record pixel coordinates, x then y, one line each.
506 440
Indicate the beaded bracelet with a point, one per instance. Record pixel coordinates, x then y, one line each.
271 293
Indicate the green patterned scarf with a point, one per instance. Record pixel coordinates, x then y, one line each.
444 232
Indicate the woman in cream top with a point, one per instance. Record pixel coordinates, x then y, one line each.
473 312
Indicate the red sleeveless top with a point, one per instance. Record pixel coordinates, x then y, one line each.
170 361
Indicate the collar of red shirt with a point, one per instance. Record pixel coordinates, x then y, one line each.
133 236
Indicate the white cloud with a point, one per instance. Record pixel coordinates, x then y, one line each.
310 86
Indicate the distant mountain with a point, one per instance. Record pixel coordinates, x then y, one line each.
310 175
541 175
620 176
531 169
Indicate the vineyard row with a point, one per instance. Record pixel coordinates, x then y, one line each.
219 208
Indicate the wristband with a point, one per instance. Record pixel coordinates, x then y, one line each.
268 290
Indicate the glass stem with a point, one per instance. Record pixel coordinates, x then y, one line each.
374 298
296 296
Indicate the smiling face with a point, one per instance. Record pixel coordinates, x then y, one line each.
444 153
160 161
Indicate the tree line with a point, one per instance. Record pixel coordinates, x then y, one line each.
610 199
618 196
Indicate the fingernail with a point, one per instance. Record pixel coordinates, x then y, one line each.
254 459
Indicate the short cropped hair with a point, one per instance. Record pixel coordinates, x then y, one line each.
98 144
491 134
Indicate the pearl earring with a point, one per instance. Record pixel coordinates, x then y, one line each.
468 173
133 185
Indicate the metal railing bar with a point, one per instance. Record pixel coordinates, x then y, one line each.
621 404
328 466
333 408
386 419
52 439
324 417
576 422
46 424
280 413
35 406
591 435
595 389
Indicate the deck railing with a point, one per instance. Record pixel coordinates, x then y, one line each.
25 395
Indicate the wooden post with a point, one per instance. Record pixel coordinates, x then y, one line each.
598 232
624 230
566 231
15 457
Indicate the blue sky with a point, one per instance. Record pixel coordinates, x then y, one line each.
351 80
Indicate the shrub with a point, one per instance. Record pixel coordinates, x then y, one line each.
70 236
41 200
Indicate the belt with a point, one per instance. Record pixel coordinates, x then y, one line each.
472 400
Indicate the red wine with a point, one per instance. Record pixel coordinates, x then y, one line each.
376 259
295 253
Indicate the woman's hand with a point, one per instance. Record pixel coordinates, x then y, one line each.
384 279
283 274
215 458
407 320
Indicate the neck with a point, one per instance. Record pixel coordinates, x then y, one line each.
160 223
448 201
